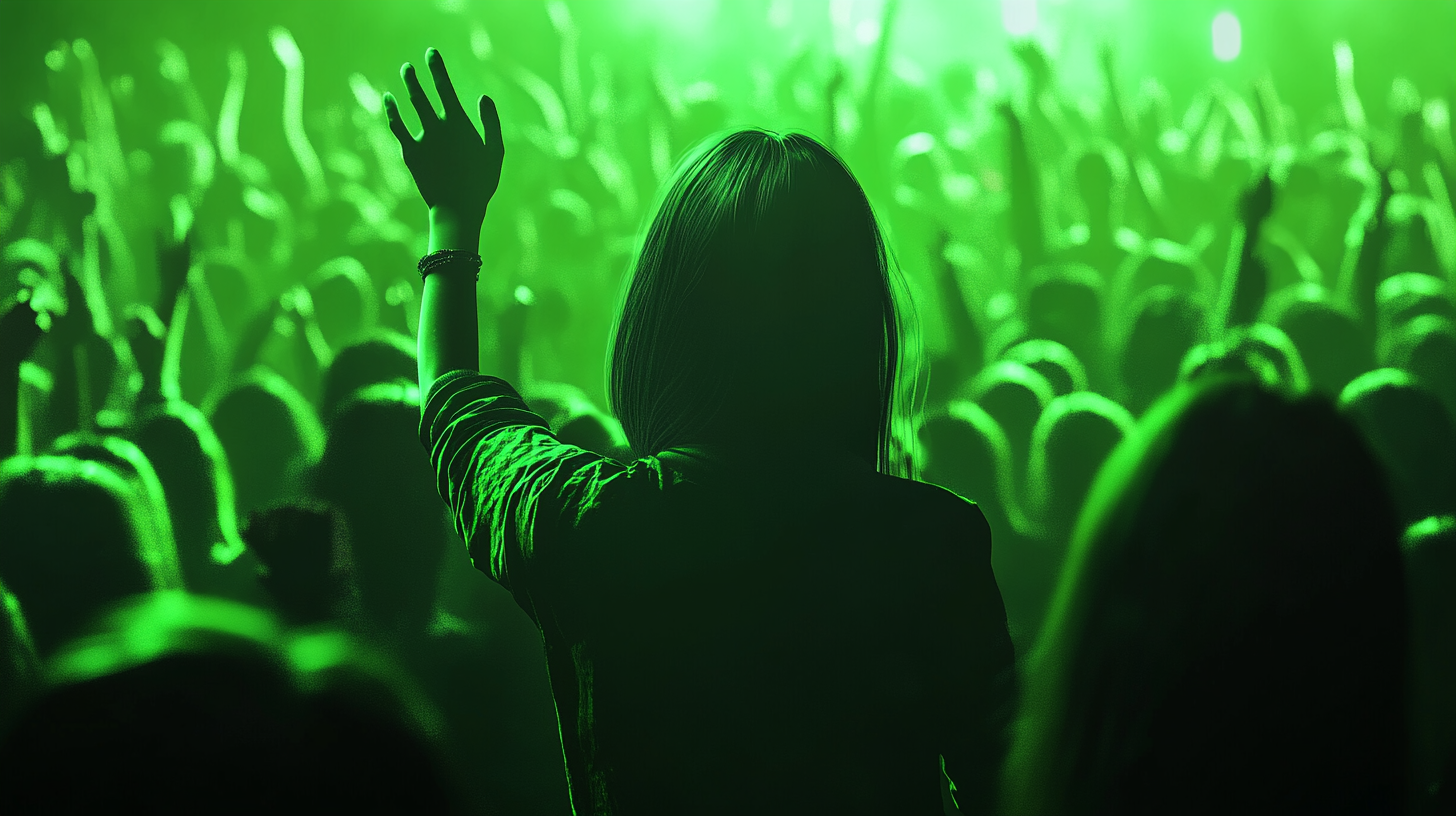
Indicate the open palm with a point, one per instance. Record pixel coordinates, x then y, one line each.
455 170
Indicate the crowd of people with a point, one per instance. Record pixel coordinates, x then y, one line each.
1196 366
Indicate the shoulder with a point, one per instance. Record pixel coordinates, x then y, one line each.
930 498
948 517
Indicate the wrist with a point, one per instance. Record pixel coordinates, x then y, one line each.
452 231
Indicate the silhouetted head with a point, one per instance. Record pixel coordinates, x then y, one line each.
1429 552
77 538
1015 395
1412 435
344 301
308 562
1426 347
375 472
1411 245
1064 303
1229 632
193 469
383 357
1052 360
760 310
1166 325
1408 295
1334 347
124 457
271 435
1259 351
1162 263
1071 440
180 702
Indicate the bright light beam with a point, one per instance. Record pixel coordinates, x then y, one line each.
1228 37
1018 17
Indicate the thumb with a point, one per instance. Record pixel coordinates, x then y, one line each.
490 125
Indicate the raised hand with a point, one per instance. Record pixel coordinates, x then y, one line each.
1258 201
455 170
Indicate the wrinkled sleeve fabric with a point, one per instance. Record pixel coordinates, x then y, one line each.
515 492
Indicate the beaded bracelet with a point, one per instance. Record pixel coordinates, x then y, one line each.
442 258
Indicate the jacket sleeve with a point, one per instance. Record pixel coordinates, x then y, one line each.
515 492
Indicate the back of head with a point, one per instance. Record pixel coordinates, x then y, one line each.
1334 347
127 460
1260 351
1052 360
1414 437
1426 347
194 471
1166 324
77 539
375 472
1064 303
381 358
1407 295
1072 439
180 703
1229 634
1015 395
760 310
270 433
1429 552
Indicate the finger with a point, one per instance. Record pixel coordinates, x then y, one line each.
449 100
490 125
397 126
417 97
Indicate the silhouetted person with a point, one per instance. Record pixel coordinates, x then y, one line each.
1015 395
308 564
1052 360
1413 436
78 538
272 437
127 460
1429 551
752 616
193 468
964 450
384 357
1230 634
180 703
1258 350
1426 347
1095 187
1408 295
1331 342
1064 304
375 474
1074 436
1165 325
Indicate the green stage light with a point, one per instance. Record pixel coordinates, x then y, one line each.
1228 38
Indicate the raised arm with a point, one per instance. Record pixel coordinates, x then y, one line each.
456 172
19 334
